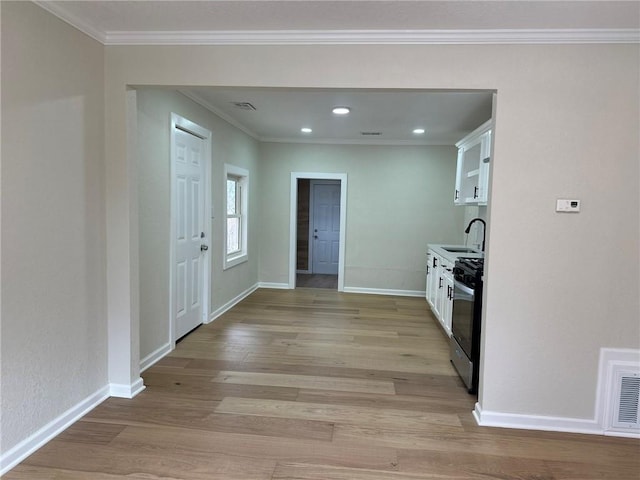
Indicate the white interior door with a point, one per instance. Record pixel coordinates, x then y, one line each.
326 227
189 238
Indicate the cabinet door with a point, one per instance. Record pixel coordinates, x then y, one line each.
445 281
457 195
472 174
432 280
429 282
467 181
438 284
485 163
447 309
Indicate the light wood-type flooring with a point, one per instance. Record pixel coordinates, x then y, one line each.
315 385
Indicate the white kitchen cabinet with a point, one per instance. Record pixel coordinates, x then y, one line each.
435 281
439 287
447 302
431 275
444 297
472 173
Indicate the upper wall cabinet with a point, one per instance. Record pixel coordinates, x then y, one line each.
474 158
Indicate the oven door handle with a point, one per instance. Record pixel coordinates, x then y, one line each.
464 288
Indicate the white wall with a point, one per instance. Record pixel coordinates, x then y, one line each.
566 125
399 199
229 145
54 330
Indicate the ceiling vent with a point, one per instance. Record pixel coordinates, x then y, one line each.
371 134
243 106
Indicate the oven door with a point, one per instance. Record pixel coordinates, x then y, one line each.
462 317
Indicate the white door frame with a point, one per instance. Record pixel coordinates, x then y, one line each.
188 126
293 227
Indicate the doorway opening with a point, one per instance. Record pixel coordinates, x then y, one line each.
317 230
318 233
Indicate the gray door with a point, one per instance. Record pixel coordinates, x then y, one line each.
326 227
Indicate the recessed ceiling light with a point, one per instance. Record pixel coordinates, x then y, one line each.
341 110
306 130
418 131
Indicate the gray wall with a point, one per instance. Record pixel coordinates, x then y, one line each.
229 145
54 328
399 199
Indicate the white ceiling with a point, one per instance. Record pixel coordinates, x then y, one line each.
279 114
394 114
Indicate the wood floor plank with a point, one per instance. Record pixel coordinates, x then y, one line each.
404 419
159 462
375 360
270 426
435 404
510 467
91 433
30 472
254 447
306 381
203 388
417 348
289 471
329 330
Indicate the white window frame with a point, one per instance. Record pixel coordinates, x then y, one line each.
241 175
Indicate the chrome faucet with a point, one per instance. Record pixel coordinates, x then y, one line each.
484 229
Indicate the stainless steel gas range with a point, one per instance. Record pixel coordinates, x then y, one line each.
466 319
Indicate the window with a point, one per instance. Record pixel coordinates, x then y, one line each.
236 204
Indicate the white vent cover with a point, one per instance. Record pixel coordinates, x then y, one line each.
619 392
627 400
244 106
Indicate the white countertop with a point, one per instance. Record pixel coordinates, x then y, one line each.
452 252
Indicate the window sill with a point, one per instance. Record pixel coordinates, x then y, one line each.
235 260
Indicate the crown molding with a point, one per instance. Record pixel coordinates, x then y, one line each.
72 20
357 141
346 37
377 37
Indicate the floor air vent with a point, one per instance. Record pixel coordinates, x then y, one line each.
627 406
619 394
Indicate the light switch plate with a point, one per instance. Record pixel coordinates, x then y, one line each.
565 205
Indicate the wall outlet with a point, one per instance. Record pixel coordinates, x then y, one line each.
567 205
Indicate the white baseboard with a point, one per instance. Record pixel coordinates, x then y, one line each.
384 291
231 303
155 356
536 422
281 286
122 390
22 450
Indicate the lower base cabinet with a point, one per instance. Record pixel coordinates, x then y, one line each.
439 288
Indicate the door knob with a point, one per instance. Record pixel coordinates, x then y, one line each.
204 248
